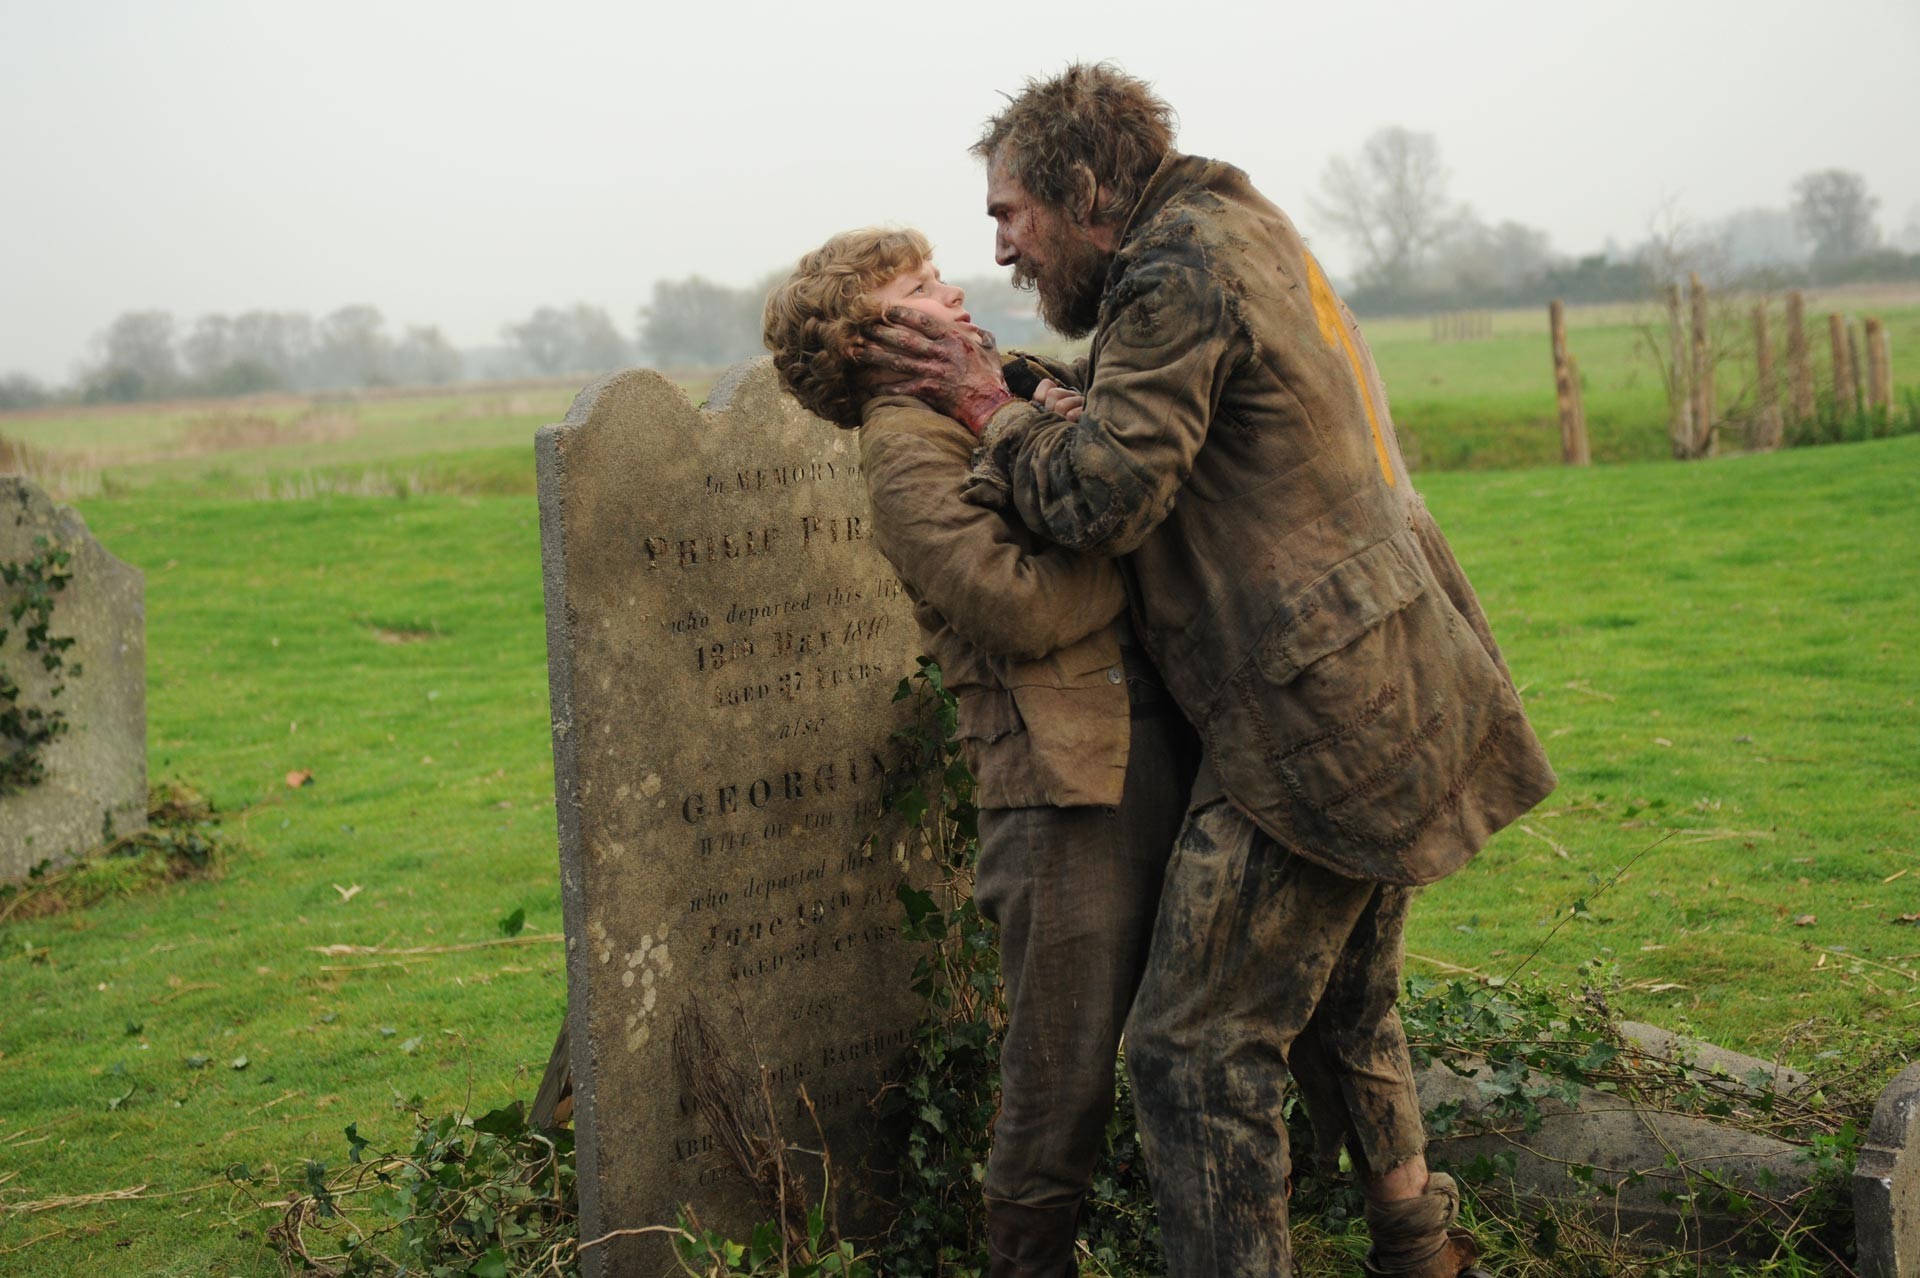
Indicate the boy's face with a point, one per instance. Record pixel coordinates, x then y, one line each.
922 290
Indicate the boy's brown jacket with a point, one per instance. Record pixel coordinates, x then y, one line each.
1294 593
1025 633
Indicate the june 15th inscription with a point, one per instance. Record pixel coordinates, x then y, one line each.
723 646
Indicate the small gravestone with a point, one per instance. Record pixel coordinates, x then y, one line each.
1627 1169
92 778
723 645
1886 1183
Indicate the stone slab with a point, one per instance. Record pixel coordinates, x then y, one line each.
96 772
1751 1073
1635 1189
723 645
1886 1183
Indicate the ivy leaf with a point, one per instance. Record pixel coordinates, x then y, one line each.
508 1122
919 904
491 1265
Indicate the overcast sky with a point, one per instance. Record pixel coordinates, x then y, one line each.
462 163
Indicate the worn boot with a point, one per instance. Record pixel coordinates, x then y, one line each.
1414 1237
1032 1242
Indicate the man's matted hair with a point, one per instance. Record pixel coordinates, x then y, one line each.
814 318
1096 115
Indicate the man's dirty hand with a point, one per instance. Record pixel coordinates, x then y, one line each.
1061 401
953 368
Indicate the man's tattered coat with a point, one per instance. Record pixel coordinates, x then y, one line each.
1293 590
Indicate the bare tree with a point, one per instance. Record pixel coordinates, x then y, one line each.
695 321
1760 239
137 359
1474 256
354 349
598 346
1390 202
544 338
281 342
1833 209
18 390
424 357
208 349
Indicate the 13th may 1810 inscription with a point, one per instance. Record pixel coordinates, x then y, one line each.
723 643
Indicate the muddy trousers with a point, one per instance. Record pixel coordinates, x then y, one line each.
1263 966
1074 892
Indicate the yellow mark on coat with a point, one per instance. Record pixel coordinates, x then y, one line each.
1333 331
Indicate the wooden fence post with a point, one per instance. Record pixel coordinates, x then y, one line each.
1879 364
1578 454
1858 382
1843 389
1702 441
1563 384
1766 432
1679 408
1799 364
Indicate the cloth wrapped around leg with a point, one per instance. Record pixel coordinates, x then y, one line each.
1414 1237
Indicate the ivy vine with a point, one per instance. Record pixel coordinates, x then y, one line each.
26 730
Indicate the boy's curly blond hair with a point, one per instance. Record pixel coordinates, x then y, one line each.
813 320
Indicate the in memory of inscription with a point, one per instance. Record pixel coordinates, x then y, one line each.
723 646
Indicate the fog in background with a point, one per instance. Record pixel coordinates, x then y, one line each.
460 166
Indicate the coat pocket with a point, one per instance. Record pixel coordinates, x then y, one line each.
1336 610
1381 703
986 716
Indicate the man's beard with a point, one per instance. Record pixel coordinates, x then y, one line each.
1069 281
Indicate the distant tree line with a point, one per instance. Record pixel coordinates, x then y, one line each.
147 355
1418 250
688 323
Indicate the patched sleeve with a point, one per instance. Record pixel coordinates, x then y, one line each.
966 561
1161 363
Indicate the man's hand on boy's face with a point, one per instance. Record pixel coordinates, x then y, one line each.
954 368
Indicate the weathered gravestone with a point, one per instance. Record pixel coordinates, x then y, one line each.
1886 1183
1657 1177
92 776
723 646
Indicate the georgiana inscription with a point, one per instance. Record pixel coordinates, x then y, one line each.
793 785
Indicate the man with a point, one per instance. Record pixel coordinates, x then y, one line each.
1362 735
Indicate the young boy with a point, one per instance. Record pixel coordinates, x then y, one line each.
1082 765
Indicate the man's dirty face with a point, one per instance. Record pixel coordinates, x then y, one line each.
1048 253
921 289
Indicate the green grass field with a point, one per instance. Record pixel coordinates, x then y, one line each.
1724 656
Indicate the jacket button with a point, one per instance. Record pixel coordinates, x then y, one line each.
1114 675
